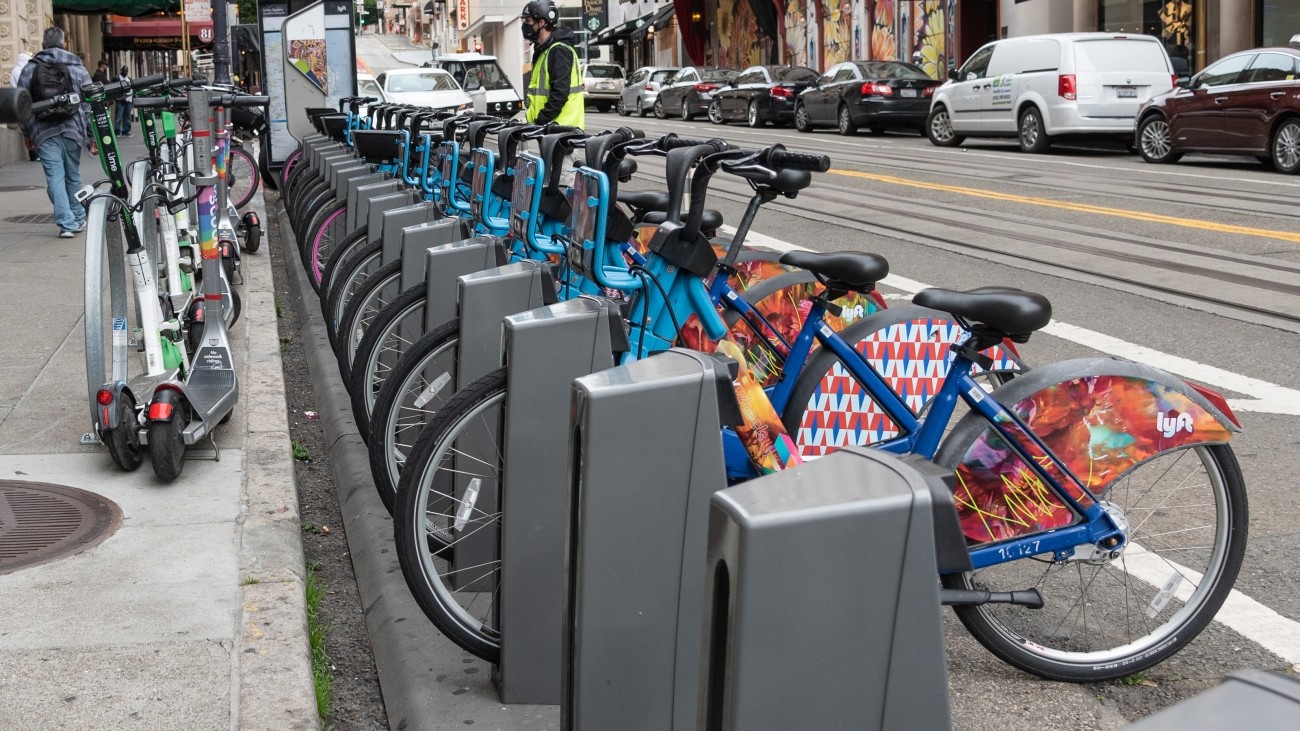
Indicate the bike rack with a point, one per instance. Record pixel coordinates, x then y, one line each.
380 205
636 540
851 538
573 338
398 219
443 267
418 238
358 211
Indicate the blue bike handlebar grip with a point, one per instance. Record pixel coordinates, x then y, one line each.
780 159
15 106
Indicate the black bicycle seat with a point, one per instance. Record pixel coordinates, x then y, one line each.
855 271
644 200
709 222
1005 310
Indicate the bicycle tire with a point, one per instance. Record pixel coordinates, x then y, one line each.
343 252
1026 639
123 440
242 177
432 524
422 382
347 283
383 345
371 299
326 231
312 199
319 202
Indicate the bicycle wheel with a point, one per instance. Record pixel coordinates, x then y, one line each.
411 396
325 232
242 177
342 253
390 335
347 283
447 519
378 291
1103 618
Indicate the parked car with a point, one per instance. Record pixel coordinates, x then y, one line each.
603 83
1035 88
691 90
761 94
643 88
1247 103
367 86
470 69
433 88
878 95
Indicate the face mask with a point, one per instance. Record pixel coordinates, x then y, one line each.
530 32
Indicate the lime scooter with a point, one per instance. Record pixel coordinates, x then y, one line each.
184 412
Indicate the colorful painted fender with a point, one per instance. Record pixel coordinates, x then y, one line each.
1100 417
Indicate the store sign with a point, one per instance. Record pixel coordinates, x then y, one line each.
594 15
205 34
462 14
197 11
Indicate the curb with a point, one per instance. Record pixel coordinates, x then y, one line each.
274 688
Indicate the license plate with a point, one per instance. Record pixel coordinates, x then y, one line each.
1126 92
908 93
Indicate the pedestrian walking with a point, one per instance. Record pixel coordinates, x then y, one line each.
554 87
59 136
122 123
101 73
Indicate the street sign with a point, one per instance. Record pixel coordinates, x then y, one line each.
462 14
197 11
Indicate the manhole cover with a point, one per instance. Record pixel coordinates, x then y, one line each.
31 218
40 522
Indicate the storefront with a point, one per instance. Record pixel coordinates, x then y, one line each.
1279 21
1174 22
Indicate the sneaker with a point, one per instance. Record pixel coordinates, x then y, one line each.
80 228
66 234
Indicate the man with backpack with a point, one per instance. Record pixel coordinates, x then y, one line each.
59 136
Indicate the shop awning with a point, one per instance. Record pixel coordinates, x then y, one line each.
160 32
477 27
128 8
657 20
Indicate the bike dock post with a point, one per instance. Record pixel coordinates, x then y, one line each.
381 205
637 534
443 267
419 238
824 576
573 338
399 218
360 197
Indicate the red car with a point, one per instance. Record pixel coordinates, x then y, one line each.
1247 103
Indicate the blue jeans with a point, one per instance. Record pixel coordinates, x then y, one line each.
122 124
61 158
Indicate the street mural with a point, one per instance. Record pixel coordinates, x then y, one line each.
738 35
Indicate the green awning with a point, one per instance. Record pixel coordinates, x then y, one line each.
130 8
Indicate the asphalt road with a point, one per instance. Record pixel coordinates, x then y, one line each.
1193 268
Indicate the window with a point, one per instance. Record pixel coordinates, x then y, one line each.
978 64
1271 67
718 74
796 74
637 77
430 81
368 87
829 76
684 76
489 74
751 77
1119 55
891 70
603 71
661 77
1224 72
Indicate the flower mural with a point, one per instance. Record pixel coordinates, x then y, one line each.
738 35
884 45
795 20
837 31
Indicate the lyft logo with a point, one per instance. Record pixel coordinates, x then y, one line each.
1173 422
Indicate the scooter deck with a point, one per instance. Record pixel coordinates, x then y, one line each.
207 388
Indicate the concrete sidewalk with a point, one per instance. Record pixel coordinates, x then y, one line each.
190 614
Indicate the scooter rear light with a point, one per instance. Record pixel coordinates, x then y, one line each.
1065 87
104 397
160 410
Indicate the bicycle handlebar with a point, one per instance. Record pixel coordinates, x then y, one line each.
173 103
778 157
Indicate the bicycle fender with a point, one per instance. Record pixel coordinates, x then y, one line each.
1099 416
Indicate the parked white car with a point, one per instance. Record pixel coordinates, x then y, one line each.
1036 88
433 88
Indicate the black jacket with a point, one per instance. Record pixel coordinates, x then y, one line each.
559 67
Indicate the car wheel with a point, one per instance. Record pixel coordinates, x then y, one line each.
1033 136
686 111
659 109
621 108
1286 147
640 107
801 120
846 122
938 127
602 107
715 113
1155 142
755 117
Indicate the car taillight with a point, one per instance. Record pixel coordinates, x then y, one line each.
1174 77
929 91
705 87
1065 87
651 86
781 91
871 88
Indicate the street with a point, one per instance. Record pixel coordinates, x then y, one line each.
1193 268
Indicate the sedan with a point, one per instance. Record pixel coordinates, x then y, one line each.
878 95
761 94
642 89
1244 104
691 90
433 88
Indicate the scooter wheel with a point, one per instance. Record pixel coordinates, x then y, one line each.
167 447
252 233
123 440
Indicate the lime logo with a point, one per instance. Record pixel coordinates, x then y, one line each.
108 139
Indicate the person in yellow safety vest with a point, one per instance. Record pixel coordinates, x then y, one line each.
554 91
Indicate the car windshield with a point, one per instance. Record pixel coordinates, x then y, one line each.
891 70
662 77
1119 55
489 74
604 72
718 74
429 81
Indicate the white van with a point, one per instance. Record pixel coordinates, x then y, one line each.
1039 87
474 70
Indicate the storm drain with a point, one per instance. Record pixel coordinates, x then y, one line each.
31 218
40 522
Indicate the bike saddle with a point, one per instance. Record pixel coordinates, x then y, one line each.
1004 310
646 200
710 222
850 270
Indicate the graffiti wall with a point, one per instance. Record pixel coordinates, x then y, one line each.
738 36
795 25
837 32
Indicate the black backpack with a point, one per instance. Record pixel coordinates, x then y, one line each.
48 81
